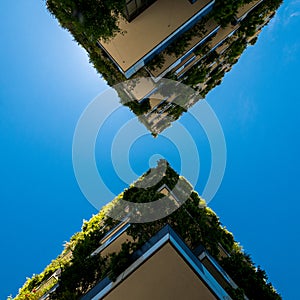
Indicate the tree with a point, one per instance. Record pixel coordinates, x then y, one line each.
93 18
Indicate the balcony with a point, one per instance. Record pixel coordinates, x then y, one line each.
152 31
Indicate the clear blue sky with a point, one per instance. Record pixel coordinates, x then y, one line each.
45 84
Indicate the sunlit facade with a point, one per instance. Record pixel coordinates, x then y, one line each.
164 268
151 31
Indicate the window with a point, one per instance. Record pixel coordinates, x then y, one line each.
135 7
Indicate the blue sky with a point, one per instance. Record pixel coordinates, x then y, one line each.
45 84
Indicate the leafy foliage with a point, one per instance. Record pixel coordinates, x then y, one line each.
225 10
224 13
156 63
252 280
93 18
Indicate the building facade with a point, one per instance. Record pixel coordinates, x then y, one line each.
135 7
203 63
164 268
151 32
185 255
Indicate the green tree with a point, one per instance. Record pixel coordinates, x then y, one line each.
93 18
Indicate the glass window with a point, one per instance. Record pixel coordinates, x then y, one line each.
131 7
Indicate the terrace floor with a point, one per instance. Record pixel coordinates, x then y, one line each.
246 8
149 29
208 28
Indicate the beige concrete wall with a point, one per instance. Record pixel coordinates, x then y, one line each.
149 29
115 246
165 276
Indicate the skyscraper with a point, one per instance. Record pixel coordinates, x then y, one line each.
186 255
163 37
193 42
